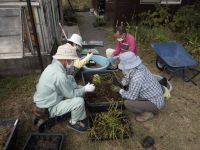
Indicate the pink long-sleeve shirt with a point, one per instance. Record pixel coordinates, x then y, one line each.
128 44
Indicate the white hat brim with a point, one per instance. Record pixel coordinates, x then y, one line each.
80 44
65 57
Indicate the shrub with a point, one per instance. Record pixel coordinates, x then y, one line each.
147 36
70 17
100 21
159 17
186 18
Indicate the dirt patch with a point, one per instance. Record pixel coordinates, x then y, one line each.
4 134
175 128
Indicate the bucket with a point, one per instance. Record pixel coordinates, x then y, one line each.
101 60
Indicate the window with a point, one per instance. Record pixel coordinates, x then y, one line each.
171 1
160 1
149 1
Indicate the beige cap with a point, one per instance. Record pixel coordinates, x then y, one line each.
66 51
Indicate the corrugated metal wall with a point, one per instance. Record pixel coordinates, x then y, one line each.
10 33
14 27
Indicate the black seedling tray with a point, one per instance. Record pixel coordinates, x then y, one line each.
125 136
11 123
44 141
103 105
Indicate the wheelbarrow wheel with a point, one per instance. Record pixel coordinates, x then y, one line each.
159 65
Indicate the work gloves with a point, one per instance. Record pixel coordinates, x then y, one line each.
121 91
115 88
89 55
89 87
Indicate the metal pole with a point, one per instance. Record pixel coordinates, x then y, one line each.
63 31
35 33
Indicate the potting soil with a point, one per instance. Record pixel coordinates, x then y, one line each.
103 93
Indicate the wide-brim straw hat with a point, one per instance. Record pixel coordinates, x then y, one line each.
66 51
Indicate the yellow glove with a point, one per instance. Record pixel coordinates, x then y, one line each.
79 63
166 94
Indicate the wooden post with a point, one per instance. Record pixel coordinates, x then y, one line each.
35 34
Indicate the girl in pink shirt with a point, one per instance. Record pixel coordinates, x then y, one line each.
125 42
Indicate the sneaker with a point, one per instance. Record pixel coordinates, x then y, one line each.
85 122
79 126
144 116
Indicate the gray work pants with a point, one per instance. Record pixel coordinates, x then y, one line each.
140 106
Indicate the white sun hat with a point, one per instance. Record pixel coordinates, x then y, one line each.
77 39
66 51
128 60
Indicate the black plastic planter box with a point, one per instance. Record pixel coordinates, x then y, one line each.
44 141
103 105
123 121
12 124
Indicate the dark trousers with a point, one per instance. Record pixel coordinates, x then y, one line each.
140 106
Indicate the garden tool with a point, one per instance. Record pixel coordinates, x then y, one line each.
63 30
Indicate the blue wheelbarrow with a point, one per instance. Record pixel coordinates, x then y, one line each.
175 58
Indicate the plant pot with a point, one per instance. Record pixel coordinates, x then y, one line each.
124 120
44 141
101 104
11 132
